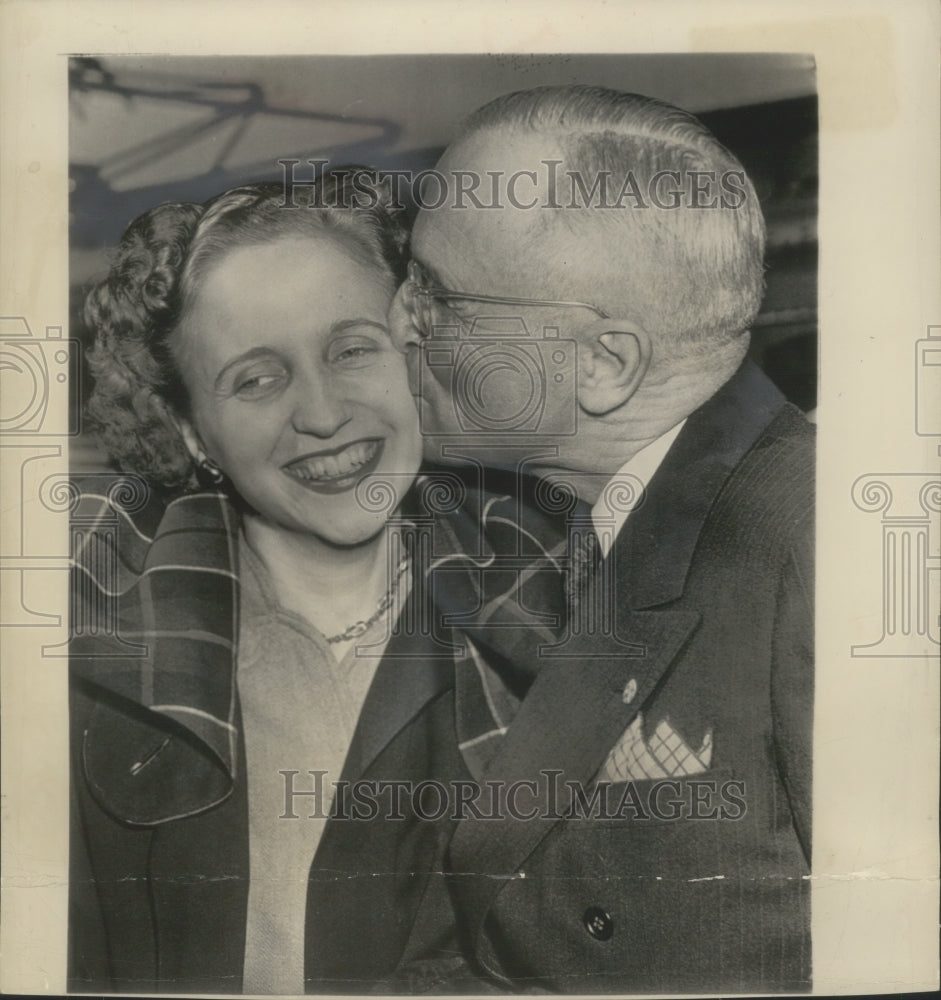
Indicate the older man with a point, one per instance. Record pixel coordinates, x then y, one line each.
578 307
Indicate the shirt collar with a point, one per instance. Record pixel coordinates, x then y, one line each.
615 504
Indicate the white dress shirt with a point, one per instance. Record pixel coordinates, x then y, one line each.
608 515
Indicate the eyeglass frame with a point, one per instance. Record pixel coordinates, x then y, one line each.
432 291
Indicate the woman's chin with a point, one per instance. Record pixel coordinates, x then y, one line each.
330 533
353 533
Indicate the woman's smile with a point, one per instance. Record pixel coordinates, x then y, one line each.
337 469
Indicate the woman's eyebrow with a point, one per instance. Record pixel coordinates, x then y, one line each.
348 324
250 355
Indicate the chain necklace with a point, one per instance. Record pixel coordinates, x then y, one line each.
360 627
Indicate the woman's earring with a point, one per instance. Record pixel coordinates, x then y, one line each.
213 472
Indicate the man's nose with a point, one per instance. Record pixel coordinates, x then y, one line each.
320 406
402 326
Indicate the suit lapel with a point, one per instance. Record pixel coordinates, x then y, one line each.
656 546
571 717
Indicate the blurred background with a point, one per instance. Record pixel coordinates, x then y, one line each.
151 129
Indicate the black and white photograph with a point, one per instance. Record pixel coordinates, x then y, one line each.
540 368
438 485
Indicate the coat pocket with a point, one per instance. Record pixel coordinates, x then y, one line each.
642 753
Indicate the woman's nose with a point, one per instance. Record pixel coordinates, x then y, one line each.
320 408
402 327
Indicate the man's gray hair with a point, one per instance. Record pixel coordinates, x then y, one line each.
694 274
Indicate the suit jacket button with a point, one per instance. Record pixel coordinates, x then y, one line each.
598 923
630 691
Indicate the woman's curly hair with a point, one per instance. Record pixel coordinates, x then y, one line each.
157 269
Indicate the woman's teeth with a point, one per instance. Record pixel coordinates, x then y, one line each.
344 463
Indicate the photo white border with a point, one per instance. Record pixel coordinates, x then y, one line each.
875 883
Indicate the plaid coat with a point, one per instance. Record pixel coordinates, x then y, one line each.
159 856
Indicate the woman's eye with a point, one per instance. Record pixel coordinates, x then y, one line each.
256 385
354 353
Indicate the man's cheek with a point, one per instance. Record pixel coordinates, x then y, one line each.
413 363
435 406
432 383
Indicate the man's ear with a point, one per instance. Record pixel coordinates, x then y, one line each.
613 359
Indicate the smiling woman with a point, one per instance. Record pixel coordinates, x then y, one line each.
295 389
245 373
243 344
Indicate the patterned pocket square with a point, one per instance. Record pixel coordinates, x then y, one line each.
664 755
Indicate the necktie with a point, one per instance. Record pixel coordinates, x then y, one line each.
584 559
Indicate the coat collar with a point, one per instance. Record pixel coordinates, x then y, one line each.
163 742
416 666
656 546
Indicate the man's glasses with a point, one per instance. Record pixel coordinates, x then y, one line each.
423 293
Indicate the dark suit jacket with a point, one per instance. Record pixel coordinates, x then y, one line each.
714 577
